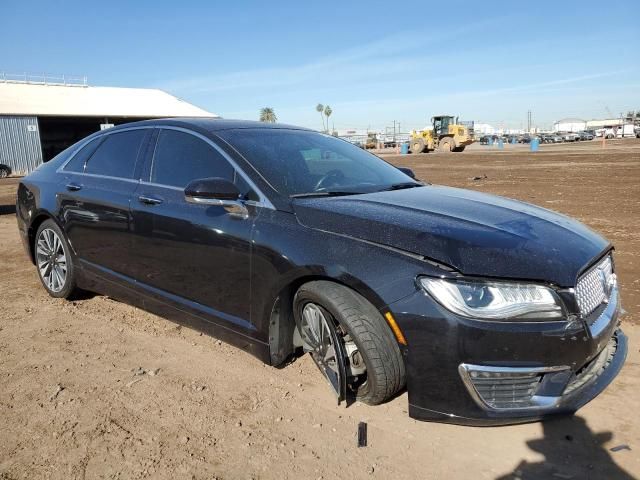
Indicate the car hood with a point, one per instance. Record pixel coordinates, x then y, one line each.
475 233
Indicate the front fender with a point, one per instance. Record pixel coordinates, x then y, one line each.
286 254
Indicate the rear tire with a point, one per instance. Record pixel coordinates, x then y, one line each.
53 260
357 321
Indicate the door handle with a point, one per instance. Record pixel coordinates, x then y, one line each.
149 200
73 187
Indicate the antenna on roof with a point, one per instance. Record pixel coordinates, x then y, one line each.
44 79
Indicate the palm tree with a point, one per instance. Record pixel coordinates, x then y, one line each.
268 115
328 112
320 110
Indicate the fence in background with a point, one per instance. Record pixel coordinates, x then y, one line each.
44 79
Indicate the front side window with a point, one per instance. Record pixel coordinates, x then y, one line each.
116 156
297 162
181 157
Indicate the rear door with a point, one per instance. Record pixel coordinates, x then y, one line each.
195 256
99 182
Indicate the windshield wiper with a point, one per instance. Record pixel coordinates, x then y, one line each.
401 186
326 193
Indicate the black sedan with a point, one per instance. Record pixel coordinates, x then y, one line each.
282 240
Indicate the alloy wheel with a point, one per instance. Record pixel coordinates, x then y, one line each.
324 345
51 260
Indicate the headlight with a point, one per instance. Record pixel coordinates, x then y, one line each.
494 300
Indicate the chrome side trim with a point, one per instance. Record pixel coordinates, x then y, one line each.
161 185
108 177
234 208
539 402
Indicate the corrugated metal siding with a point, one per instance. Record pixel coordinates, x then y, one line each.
20 143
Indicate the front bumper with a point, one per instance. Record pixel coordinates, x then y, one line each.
491 373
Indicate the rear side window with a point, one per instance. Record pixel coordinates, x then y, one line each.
76 164
116 156
180 158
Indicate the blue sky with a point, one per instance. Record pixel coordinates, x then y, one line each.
373 62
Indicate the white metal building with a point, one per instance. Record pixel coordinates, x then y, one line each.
605 123
37 121
569 125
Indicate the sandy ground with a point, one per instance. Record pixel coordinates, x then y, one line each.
72 405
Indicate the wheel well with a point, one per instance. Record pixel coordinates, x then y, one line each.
33 229
282 324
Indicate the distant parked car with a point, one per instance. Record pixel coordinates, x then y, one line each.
571 137
586 136
5 170
555 138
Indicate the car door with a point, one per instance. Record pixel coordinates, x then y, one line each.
194 256
99 181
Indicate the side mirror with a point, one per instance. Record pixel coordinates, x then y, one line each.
216 191
211 191
408 172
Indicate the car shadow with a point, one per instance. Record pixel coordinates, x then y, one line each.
7 209
571 450
80 294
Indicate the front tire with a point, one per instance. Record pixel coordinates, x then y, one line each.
53 259
446 145
417 145
365 335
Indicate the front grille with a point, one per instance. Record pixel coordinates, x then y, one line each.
505 389
593 287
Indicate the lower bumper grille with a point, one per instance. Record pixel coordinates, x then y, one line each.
507 391
503 389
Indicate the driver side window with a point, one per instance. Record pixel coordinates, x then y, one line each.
180 157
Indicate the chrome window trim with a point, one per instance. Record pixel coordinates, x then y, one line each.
161 185
264 202
103 134
108 177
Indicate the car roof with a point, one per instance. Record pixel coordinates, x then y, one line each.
209 124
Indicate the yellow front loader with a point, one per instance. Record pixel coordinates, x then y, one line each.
446 134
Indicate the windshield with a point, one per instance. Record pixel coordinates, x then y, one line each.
297 162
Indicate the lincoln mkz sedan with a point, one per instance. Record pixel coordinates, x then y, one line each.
282 240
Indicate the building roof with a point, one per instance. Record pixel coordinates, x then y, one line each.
83 101
570 120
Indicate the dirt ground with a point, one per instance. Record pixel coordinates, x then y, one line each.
98 389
